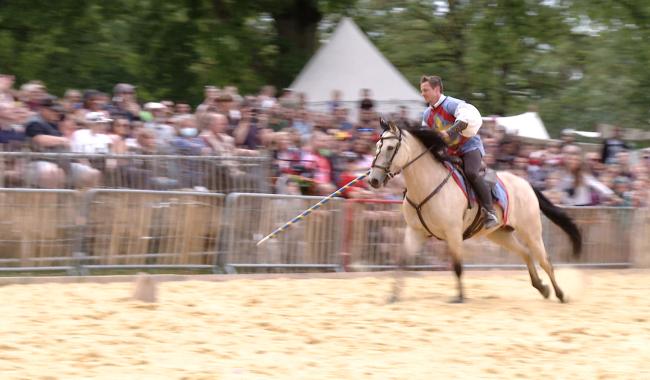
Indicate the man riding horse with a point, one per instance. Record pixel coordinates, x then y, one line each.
458 123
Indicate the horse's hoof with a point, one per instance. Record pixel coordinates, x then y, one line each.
392 299
545 291
457 300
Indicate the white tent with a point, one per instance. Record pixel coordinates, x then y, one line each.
349 62
527 124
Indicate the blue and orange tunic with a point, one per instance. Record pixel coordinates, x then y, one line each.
442 116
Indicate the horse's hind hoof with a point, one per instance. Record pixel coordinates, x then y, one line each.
392 299
457 300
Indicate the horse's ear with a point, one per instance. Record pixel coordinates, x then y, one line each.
384 124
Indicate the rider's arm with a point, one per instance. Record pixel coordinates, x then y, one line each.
469 115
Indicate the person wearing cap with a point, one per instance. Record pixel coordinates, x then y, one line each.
164 132
93 138
44 135
43 129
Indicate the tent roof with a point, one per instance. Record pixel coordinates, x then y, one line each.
350 62
527 124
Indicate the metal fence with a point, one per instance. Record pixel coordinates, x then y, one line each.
311 244
39 229
151 172
117 228
156 229
374 234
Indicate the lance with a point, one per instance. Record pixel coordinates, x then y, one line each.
312 208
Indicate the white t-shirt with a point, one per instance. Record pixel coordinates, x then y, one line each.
85 141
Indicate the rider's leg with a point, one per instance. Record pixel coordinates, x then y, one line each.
472 166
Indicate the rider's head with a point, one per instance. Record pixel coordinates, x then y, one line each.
431 88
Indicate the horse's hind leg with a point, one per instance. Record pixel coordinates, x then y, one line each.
536 245
507 240
413 241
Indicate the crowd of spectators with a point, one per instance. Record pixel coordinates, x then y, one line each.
312 152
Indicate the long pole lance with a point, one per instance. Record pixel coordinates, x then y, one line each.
312 208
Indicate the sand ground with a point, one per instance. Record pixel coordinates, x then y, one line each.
330 329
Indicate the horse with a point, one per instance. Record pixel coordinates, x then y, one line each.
442 208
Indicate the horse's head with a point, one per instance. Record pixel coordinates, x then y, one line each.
388 159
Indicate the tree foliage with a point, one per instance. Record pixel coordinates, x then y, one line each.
578 62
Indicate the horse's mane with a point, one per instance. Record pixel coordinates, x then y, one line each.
432 141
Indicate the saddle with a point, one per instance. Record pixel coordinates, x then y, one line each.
456 171
489 176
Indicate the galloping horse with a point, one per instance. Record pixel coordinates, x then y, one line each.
434 206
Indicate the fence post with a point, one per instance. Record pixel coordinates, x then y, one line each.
79 250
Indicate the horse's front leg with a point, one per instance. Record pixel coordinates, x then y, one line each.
413 241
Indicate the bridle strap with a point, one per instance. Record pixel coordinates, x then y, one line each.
399 143
411 162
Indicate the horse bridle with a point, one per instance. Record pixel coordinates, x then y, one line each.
386 169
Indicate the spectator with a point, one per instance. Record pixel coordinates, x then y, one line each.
43 129
93 139
552 189
119 133
188 142
145 142
72 101
92 102
31 94
302 124
267 97
341 119
182 108
248 132
214 128
613 145
403 120
320 157
336 102
581 188
6 94
366 103
210 94
164 132
124 102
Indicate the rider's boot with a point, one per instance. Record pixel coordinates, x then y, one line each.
485 198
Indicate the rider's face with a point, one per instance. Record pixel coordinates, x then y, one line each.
430 95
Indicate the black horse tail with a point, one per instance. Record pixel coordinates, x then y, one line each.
559 217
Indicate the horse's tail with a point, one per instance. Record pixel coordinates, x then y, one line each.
559 217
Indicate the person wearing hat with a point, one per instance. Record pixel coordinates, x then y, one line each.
93 138
158 125
43 129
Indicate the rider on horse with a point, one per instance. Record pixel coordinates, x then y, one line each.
458 123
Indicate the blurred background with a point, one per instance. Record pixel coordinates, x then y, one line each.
304 80
282 99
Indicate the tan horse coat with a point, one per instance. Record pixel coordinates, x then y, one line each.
446 213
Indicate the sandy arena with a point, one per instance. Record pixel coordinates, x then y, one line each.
330 329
